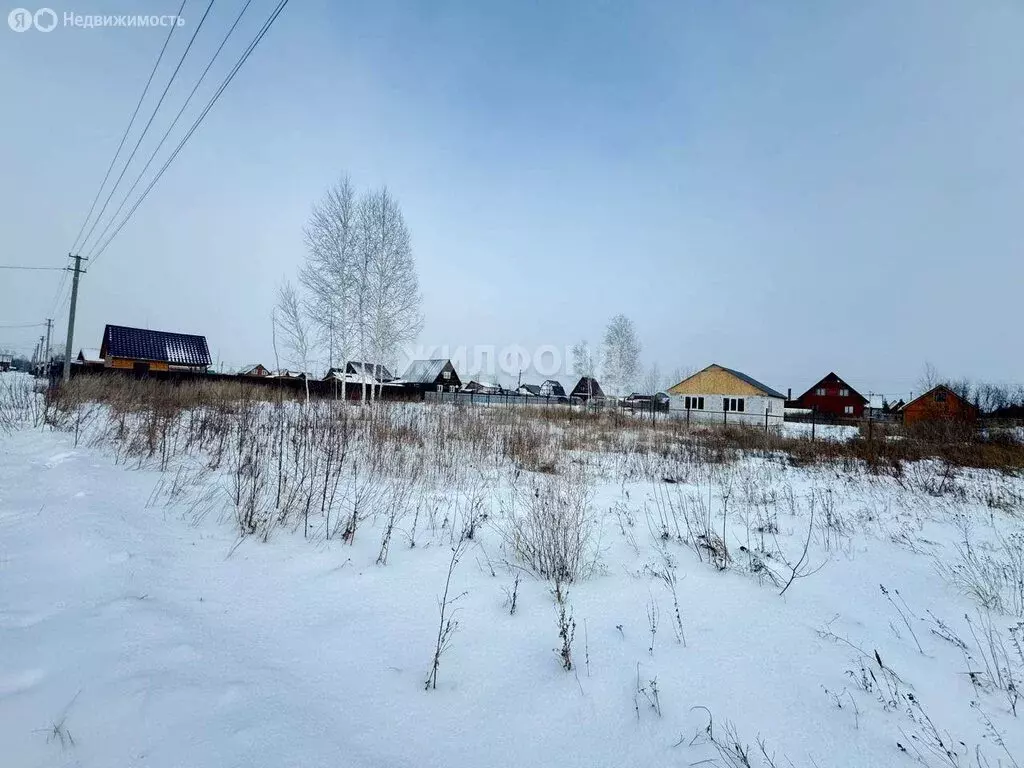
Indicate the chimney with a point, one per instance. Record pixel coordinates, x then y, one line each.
789 393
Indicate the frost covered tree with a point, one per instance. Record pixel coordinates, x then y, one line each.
621 355
653 380
291 325
586 361
329 272
360 277
387 295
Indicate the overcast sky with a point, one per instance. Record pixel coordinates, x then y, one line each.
784 188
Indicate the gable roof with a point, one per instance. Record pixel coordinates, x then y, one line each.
749 380
160 346
88 355
424 371
374 371
251 368
935 390
582 390
533 389
836 377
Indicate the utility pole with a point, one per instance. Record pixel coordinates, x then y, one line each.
77 270
49 327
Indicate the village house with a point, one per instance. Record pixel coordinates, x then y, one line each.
939 404
528 390
355 372
833 397
143 350
90 357
724 395
436 375
552 388
6 362
586 388
254 369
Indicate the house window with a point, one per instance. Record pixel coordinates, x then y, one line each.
451 387
440 387
844 393
820 391
694 403
733 404
848 410
940 397
687 402
725 403
739 403
446 375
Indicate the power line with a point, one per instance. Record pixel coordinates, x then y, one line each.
149 122
227 80
127 130
12 266
21 325
170 128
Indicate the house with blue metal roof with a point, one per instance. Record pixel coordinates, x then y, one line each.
143 350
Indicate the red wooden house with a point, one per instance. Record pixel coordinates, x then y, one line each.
834 397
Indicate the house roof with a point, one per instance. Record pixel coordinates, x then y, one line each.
533 389
88 354
424 371
250 368
581 388
161 346
373 370
833 375
754 382
763 388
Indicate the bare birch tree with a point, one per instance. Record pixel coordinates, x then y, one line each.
387 288
621 355
586 361
291 323
653 380
330 271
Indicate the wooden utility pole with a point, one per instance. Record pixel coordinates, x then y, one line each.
76 270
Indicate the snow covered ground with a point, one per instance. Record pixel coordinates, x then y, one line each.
138 629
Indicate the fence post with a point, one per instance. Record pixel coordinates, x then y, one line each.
814 418
765 419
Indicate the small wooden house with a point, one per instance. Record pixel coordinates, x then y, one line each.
552 388
833 397
437 375
528 390
143 350
586 388
6 362
939 404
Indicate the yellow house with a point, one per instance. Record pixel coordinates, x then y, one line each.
726 395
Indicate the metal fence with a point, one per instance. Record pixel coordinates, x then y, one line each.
476 398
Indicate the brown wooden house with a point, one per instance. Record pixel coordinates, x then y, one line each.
833 397
143 350
939 404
